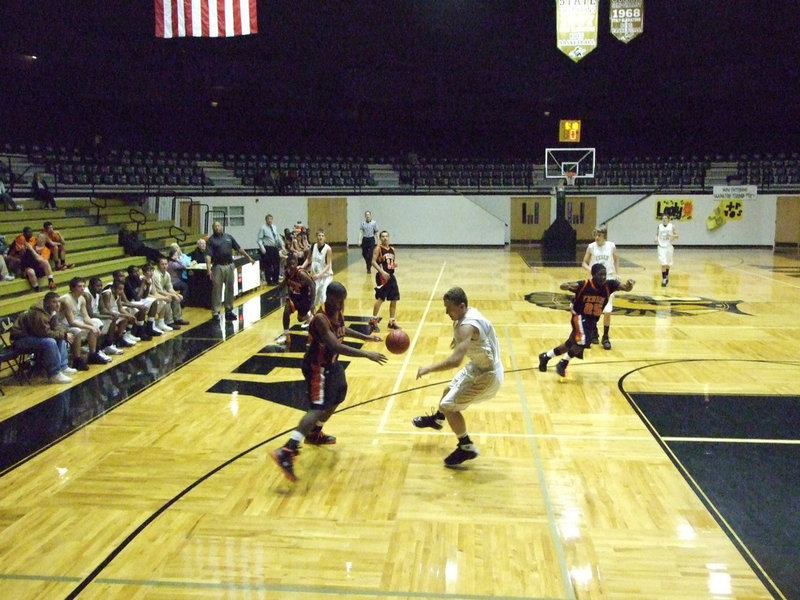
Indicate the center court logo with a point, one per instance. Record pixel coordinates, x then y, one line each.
641 306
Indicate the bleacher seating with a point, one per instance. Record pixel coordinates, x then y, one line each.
91 245
293 173
242 172
118 167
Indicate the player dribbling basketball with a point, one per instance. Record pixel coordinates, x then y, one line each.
324 374
474 337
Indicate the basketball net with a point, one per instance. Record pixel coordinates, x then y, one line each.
569 176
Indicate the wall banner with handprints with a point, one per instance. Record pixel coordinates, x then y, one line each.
729 204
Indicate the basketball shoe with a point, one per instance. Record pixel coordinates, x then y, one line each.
461 454
284 458
543 360
373 324
431 421
317 437
561 367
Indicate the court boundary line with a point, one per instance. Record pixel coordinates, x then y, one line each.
756 566
390 404
558 546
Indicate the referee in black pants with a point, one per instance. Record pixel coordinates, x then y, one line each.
366 237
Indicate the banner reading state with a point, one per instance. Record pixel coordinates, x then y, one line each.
576 27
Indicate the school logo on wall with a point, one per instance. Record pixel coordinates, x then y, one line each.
645 306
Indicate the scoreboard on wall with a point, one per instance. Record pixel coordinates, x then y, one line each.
569 130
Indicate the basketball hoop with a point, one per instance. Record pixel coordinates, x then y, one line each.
570 177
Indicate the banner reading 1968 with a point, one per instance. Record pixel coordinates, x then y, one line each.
627 19
576 25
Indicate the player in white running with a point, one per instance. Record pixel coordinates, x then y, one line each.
665 233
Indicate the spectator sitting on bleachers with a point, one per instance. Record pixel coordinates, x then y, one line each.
41 192
133 246
138 309
33 265
8 201
75 317
5 275
200 252
38 330
113 327
301 247
57 245
113 304
163 290
176 267
12 263
137 290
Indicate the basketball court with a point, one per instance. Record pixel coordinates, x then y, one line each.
660 468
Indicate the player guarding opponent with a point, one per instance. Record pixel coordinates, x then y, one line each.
586 307
324 375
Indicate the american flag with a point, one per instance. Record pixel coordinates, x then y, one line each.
205 18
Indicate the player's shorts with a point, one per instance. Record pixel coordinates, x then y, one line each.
300 304
105 323
665 255
583 328
389 290
327 386
609 307
470 386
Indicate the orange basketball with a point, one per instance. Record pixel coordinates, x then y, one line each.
397 341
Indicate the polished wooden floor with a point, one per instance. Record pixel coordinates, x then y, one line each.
575 494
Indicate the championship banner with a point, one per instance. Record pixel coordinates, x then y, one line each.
677 209
730 204
627 19
576 27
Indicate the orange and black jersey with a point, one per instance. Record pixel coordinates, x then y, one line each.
317 352
589 300
296 284
386 258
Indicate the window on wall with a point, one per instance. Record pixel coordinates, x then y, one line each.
235 215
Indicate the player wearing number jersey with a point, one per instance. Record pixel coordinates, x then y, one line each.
384 259
591 296
604 252
324 374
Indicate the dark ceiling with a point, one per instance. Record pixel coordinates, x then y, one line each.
444 77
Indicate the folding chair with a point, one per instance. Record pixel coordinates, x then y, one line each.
17 361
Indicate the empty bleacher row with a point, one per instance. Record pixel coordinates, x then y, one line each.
119 167
769 170
421 171
296 172
72 168
671 172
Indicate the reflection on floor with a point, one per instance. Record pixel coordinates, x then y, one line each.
31 431
27 433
